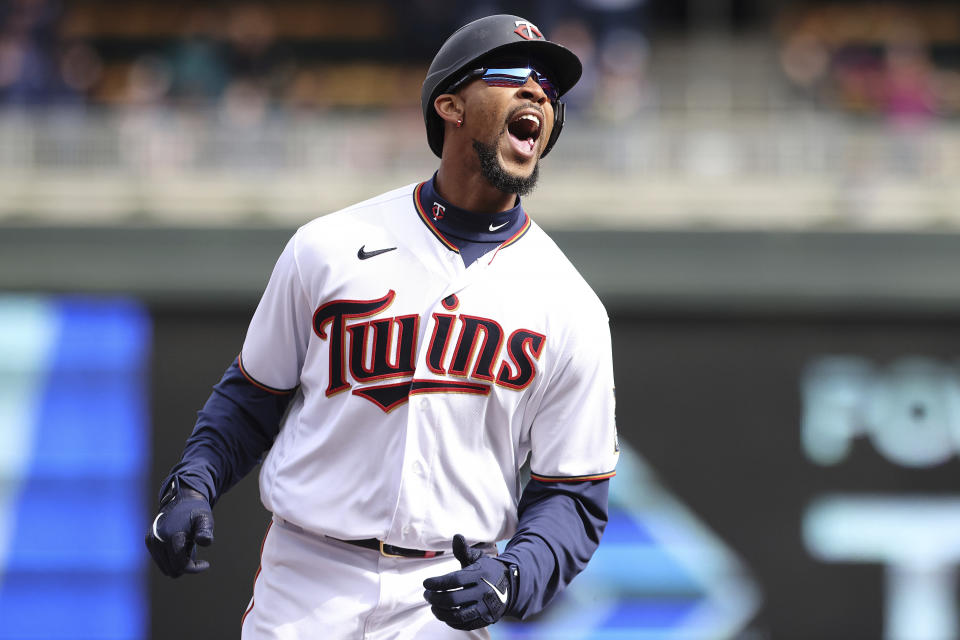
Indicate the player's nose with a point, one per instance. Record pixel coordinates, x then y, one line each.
532 91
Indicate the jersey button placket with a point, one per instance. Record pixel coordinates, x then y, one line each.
418 473
409 517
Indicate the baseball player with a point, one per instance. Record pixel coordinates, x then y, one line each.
410 356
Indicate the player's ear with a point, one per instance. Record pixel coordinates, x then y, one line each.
449 107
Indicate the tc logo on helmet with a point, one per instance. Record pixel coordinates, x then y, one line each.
527 30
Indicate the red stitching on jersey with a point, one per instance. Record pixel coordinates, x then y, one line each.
428 222
526 225
512 239
446 342
256 577
454 302
532 356
382 304
445 386
364 392
599 476
361 328
474 354
260 385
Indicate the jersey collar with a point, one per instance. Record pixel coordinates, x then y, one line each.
455 227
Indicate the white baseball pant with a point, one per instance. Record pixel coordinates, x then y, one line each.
311 587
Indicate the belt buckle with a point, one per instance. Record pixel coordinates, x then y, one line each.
385 554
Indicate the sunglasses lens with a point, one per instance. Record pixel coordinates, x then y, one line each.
517 77
506 77
548 87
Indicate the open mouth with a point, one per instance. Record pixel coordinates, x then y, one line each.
524 130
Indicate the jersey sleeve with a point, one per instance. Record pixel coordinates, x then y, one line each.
236 425
573 436
276 343
560 527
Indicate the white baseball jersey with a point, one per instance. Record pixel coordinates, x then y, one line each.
423 385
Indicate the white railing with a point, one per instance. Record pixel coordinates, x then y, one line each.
764 168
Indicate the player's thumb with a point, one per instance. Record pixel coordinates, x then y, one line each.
202 522
463 553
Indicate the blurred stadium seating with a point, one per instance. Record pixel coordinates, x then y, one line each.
821 115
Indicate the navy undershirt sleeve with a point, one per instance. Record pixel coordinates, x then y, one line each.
238 423
559 529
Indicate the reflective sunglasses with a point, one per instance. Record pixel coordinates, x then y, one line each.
509 77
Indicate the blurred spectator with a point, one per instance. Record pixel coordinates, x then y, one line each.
909 92
250 38
253 56
624 56
251 41
875 59
900 61
81 67
30 68
576 35
805 60
199 70
148 81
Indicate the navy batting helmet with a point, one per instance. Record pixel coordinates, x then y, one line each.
495 35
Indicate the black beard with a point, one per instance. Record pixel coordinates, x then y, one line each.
496 175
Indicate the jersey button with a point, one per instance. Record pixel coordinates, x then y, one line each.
418 468
405 530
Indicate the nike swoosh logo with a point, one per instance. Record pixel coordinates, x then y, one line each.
499 226
157 535
363 255
502 595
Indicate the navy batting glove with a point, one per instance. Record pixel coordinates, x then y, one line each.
476 596
184 521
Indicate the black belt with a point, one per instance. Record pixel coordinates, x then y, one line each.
390 550
387 550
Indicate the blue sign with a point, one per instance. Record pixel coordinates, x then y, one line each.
659 573
74 449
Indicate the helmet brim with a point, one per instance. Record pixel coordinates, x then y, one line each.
560 64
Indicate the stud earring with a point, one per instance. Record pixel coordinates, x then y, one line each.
459 122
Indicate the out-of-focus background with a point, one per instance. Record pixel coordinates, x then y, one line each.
763 193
